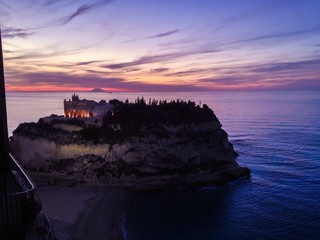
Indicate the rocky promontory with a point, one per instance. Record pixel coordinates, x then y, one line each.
140 146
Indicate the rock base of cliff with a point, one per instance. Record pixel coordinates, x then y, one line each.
166 147
164 183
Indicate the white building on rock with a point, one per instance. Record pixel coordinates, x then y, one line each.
85 108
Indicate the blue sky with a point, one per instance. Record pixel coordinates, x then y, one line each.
169 45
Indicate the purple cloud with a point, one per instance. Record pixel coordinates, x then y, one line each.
160 35
91 81
285 66
280 35
10 32
84 9
159 70
186 72
159 58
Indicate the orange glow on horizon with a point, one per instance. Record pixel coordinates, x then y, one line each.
48 88
212 87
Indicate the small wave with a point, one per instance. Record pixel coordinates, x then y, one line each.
123 226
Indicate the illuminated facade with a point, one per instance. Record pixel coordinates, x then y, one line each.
85 108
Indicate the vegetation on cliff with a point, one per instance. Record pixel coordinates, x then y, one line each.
174 112
47 130
139 118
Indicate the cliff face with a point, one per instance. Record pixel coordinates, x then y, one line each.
160 156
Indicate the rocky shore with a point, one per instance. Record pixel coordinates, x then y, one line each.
144 154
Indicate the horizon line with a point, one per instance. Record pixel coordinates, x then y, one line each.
211 90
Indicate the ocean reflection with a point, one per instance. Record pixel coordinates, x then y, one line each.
203 214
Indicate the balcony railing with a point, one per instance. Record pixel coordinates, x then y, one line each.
19 205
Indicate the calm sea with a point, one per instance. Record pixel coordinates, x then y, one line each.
277 135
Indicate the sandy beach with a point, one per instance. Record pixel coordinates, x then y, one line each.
83 212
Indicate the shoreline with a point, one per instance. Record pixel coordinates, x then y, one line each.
76 212
154 184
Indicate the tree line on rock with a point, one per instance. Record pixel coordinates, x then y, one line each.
140 117
174 112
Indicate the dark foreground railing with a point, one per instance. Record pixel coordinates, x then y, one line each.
20 205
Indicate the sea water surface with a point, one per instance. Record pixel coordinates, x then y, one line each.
277 135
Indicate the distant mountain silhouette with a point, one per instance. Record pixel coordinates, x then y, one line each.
97 90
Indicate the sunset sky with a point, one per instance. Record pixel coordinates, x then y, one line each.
167 45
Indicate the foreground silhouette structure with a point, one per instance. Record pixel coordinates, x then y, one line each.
20 207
